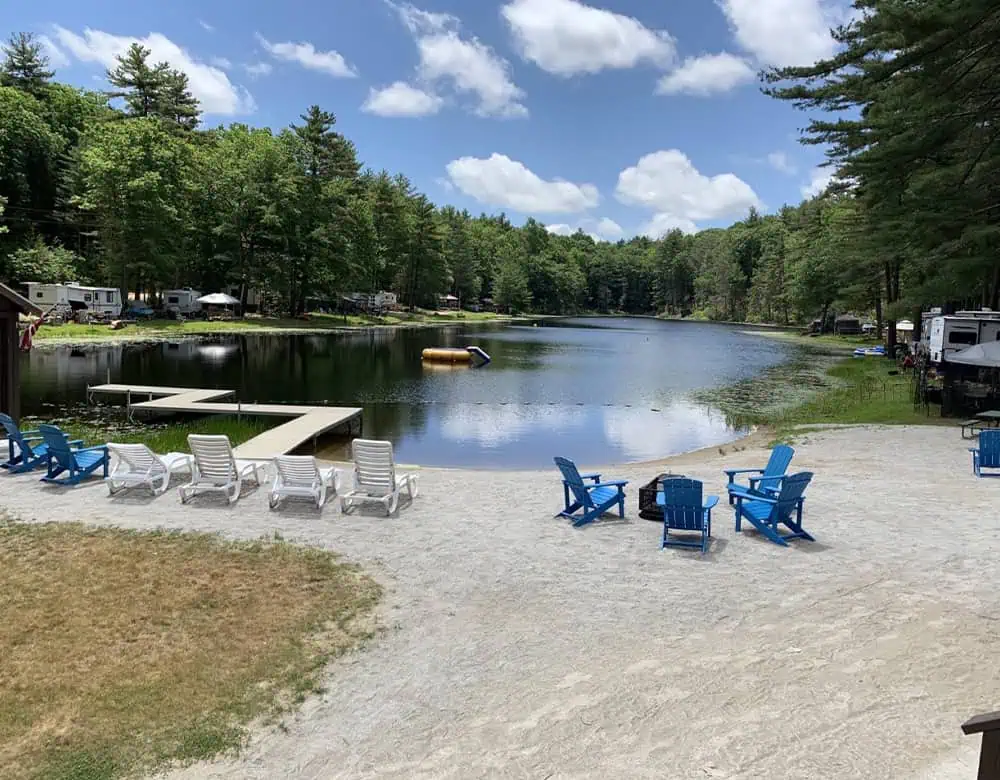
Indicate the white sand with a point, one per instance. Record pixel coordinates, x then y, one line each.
517 646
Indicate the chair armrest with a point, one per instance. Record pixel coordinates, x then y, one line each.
731 472
614 483
36 434
710 501
753 495
30 438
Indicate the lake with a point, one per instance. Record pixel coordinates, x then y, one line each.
598 390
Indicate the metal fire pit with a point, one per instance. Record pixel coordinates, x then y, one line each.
648 510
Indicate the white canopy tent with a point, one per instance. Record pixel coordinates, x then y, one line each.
218 299
983 355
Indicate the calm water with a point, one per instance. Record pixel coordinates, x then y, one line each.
597 390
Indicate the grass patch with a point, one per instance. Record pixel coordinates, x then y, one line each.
159 437
123 650
821 387
72 332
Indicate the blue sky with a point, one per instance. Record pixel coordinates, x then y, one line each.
619 117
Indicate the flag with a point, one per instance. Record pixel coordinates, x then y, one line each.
29 334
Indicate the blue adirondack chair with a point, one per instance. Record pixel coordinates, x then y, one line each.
683 510
767 482
768 512
25 449
987 455
591 500
80 463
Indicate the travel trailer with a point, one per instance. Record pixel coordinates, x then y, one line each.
946 334
183 301
106 301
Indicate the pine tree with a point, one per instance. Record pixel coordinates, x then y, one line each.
177 103
24 66
331 155
142 86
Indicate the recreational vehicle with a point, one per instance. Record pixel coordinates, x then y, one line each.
98 300
946 334
183 301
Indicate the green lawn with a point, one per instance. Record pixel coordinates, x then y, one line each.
162 437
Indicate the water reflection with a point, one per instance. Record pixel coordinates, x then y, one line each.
600 391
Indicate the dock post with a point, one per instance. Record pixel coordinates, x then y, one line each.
128 405
89 397
239 409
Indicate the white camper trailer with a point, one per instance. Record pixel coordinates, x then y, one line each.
106 301
952 333
183 301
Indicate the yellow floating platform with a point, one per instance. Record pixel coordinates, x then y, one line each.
446 355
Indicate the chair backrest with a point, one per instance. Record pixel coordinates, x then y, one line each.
777 465
213 455
374 468
13 432
989 449
571 474
298 469
792 488
682 504
138 456
57 443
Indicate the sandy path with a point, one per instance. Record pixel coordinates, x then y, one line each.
516 646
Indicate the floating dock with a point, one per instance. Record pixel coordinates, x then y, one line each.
309 423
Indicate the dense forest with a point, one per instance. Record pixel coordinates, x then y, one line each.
124 188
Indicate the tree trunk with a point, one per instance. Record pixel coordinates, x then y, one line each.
878 311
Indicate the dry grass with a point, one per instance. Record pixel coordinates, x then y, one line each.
120 651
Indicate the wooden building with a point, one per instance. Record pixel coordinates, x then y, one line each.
11 304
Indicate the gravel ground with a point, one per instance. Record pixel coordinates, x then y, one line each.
517 646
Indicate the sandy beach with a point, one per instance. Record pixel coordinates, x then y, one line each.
515 646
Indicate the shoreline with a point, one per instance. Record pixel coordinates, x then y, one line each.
136 336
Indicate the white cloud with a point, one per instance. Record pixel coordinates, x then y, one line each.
819 180
221 62
707 74
402 99
784 32
608 228
501 181
258 68
668 184
57 57
604 229
566 37
206 26
212 87
444 184
780 162
661 224
308 56
466 65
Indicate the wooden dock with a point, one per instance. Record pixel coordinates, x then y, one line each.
308 423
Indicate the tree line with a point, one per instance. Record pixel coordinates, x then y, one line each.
125 188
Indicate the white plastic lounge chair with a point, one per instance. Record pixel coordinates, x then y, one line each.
299 476
139 466
375 477
215 468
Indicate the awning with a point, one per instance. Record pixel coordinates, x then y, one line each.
983 355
